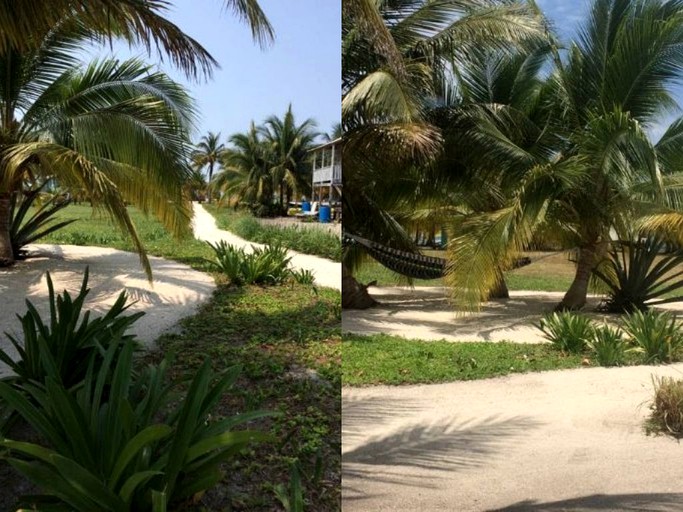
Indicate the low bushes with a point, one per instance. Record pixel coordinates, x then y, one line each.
667 407
644 337
118 439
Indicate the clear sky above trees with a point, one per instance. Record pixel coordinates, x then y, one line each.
302 67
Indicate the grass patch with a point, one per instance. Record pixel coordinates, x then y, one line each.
253 327
385 359
96 229
667 407
307 241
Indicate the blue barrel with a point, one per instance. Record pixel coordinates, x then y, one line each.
324 215
305 206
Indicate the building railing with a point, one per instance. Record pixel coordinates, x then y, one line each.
329 174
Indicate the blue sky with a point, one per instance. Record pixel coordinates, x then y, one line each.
303 66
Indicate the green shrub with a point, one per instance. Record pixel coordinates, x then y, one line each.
608 346
111 445
247 228
569 332
638 276
655 334
26 229
667 407
268 265
69 342
303 276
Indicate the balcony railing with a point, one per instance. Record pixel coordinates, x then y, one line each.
331 174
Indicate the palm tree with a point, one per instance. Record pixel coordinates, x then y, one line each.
245 174
396 56
289 144
334 134
208 153
116 129
140 22
592 169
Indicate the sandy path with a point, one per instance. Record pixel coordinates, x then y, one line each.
327 273
565 440
176 292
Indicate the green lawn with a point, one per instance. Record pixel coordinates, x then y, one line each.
307 241
287 340
385 359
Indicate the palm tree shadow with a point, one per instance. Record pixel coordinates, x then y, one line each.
646 502
401 457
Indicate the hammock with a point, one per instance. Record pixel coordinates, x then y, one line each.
409 264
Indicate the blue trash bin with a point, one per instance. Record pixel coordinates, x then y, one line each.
324 215
305 206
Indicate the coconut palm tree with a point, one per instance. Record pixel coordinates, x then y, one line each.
207 153
140 22
245 174
593 170
289 144
396 56
334 134
116 129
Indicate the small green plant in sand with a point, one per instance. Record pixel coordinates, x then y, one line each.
567 331
608 346
655 334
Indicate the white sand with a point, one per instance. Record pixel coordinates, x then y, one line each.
176 292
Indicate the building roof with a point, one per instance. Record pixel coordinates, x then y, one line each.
327 144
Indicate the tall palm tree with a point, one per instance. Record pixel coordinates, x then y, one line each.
593 170
334 134
208 153
245 173
396 56
117 129
289 144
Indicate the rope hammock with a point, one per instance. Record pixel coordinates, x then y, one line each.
409 264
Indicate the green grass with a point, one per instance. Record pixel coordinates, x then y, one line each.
307 241
254 327
94 228
385 359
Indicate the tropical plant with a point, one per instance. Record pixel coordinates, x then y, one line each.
567 331
267 265
25 229
111 446
608 346
116 130
396 58
303 276
591 168
288 144
655 334
63 349
638 275
291 498
667 406
208 152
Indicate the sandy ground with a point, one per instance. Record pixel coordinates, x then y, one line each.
176 292
552 441
565 440
327 273
425 313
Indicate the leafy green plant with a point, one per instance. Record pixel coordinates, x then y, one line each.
608 346
655 334
303 276
26 229
114 445
568 331
292 498
638 275
667 406
63 348
267 265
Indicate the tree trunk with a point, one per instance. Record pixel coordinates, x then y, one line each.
6 253
208 187
354 294
499 290
575 298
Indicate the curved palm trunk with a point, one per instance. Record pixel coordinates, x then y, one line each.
500 289
208 188
6 254
575 298
354 294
